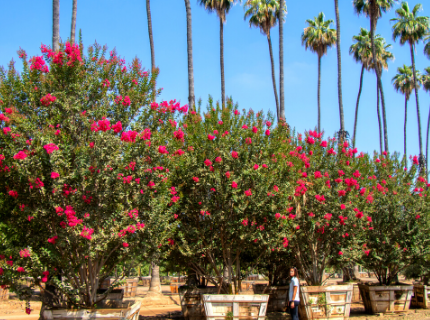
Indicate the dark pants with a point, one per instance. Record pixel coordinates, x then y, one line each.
294 312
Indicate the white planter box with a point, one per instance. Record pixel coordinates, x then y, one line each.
129 311
218 306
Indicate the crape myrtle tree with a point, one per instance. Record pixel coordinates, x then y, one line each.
84 171
326 178
396 234
231 182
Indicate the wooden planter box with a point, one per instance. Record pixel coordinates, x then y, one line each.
278 296
356 297
246 285
174 287
191 302
217 306
130 287
4 294
421 298
146 281
129 310
383 299
325 302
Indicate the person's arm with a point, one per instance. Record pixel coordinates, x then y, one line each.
295 293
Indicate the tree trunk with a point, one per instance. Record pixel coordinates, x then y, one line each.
281 60
378 74
55 25
339 68
191 97
273 75
155 284
73 29
381 146
427 143
420 141
404 131
151 43
319 93
354 137
221 59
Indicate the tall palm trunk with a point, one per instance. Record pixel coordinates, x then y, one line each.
73 28
319 93
155 284
381 146
269 40
55 25
404 129
221 59
354 137
151 43
339 68
281 60
378 72
422 162
191 98
427 143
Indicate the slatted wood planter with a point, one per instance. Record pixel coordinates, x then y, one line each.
191 302
278 300
383 299
146 281
325 302
4 294
246 285
421 298
129 310
356 297
130 286
250 307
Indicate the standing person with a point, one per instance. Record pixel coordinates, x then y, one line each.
294 294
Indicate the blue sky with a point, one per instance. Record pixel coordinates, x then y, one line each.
123 24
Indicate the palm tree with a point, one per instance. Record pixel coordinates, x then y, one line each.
281 59
403 82
318 37
427 46
426 84
264 15
374 9
411 28
361 51
221 7
55 25
191 98
339 72
151 43
73 29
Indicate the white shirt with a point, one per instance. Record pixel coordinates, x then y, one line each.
294 283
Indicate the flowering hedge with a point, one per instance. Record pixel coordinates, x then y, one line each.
84 171
231 194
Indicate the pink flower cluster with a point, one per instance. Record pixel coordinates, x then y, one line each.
47 99
37 63
87 232
50 147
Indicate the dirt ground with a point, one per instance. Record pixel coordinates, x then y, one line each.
168 307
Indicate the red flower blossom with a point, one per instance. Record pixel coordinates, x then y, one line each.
234 185
267 132
47 100
248 193
50 147
342 207
234 154
227 174
211 137
340 253
54 175
207 162
310 140
218 159
20 155
196 179
162 150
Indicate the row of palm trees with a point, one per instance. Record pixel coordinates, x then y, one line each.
318 36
